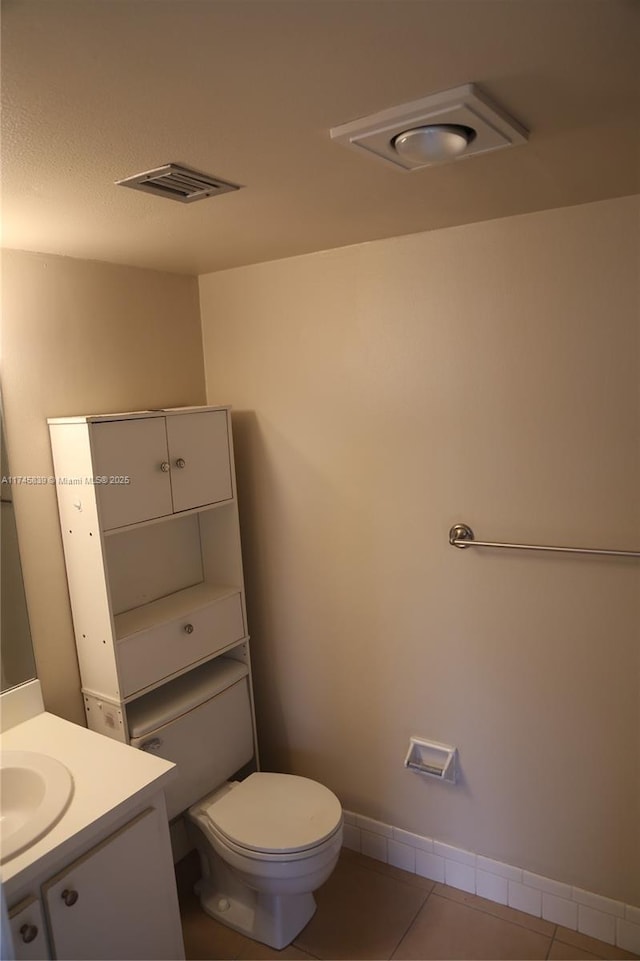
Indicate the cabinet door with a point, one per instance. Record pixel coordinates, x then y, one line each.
119 900
128 458
28 932
199 457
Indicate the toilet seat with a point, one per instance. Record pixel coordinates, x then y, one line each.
274 817
228 849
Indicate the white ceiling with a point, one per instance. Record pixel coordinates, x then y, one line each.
97 90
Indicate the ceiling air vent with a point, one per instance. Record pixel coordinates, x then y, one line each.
178 183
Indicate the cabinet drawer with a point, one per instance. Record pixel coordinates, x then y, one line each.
158 652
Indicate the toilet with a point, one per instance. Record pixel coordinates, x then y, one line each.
266 842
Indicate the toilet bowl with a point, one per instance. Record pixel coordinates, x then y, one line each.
265 844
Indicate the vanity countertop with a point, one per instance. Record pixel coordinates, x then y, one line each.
109 777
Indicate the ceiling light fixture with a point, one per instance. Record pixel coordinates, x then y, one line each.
443 127
434 143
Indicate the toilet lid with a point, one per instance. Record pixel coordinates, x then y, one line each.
276 813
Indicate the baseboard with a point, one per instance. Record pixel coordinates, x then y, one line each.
591 914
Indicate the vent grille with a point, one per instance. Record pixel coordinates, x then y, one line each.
178 183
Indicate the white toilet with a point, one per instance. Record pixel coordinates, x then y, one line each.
265 842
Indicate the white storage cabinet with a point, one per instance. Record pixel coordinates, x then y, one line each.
117 901
151 538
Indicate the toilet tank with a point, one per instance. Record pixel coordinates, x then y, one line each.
202 721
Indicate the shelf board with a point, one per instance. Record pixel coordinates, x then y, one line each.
169 608
201 509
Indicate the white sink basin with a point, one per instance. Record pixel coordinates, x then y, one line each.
35 791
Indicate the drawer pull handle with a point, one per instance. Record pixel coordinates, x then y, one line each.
165 466
69 896
28 933
188 628
180 463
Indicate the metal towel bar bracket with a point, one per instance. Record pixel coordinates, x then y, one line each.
461 535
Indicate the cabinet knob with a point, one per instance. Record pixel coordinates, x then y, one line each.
180 463
69 896
164 467
188 628
28 933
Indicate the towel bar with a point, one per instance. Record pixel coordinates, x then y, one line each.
461 535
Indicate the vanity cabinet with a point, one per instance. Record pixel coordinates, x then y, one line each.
100 882
151 538
117 900
28 931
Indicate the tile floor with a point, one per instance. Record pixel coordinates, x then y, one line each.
371 910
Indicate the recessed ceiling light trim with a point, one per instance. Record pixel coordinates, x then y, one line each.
175 182
464 106
433 143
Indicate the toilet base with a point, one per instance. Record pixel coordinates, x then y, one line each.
273 919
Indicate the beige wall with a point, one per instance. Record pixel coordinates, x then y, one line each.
81 337
486 374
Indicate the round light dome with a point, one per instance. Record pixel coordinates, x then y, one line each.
435 143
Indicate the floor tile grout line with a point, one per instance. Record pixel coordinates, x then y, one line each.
480 911
551 942
411 923
477 907
298 947
379 866
441 894
380 870
558 939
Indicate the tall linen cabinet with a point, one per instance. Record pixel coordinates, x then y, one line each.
149 521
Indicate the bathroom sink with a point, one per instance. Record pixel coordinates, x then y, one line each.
35 791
